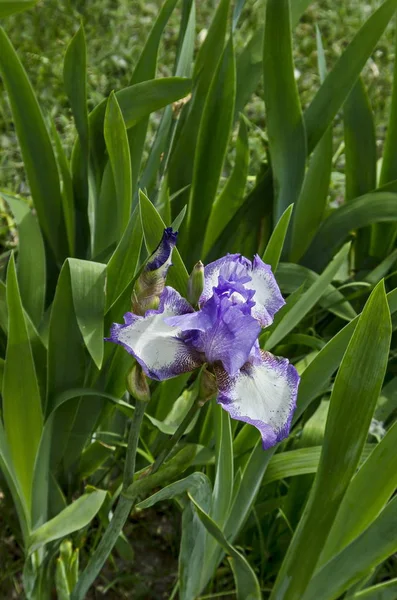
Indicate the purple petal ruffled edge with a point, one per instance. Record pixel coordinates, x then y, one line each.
155 344
267 297
211 274
257 276
244 396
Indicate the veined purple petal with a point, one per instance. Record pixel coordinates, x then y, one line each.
236 271
268 299
155 344
232 267
221 331
262 394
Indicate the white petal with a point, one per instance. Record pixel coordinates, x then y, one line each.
268 299
262 394
154 344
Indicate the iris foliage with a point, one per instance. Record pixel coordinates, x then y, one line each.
311 518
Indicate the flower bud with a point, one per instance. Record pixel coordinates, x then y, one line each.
137 384
195 284
150 284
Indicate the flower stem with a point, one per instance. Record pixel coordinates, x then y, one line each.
120 516
173 440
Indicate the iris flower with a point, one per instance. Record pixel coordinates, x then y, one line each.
238 299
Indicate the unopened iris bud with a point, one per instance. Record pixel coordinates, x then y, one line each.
137 384
150 284
195 284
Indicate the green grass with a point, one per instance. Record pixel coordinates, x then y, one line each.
115 33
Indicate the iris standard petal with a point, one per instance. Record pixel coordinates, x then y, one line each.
268 299
232 267
155 344
256 276
262 394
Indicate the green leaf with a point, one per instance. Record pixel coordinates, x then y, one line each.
7 471
74 517
31 267
307 300
66 191
188 484
299 462
383 591
105 233
177 222
248 70
245 494
389 160
75 82
290 277
139 100
275 245
285 126
171 469
223 485
146 69
372 547
168 426
119 156
311 204
360 154
10 7
246 581
76 320
359 378
67 362
43 482
387 402
315 377
370 489
88 292
37 152
163 139
136 102
384 235
74 76
232 195
22 412
249 61
181 162
93 458
339 82
123 263
212 142
193 533
334 231
153 227
360 143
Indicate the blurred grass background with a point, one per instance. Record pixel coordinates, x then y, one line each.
116 31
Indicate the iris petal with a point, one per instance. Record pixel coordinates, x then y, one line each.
268 299
256 276
155 344
221 331
263 394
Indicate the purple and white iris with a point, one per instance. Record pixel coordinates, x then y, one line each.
239 298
